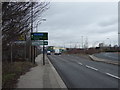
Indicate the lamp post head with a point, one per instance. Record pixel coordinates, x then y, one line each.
44 19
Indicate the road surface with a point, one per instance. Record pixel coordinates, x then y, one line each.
109 56
79 72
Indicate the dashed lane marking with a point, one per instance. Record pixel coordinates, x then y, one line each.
80 63
91 67
113 76
101 72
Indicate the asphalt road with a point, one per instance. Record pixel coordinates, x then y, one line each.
79 72
109 56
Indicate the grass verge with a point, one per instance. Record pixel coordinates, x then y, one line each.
11 72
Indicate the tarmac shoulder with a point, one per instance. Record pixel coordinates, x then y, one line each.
55 75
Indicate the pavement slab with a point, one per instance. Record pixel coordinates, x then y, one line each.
41 76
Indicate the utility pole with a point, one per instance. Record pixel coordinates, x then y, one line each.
31 30
11 52
25 46
34 54
118 39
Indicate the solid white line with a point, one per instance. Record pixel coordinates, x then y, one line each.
80 63
91 67
113 75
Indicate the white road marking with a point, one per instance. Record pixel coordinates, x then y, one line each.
91 67
80 63
113 75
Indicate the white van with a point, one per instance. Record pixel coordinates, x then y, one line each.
57 52
48 53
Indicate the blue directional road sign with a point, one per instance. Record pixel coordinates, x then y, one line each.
39 36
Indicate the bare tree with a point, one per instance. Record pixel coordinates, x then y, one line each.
16 18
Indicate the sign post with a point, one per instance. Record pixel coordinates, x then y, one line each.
43 54
41 36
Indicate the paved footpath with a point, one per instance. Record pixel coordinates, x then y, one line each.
41 76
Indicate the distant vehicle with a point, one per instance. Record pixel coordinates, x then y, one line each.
48 53
57 52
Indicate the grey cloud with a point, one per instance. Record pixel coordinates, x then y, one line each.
109 22
69 21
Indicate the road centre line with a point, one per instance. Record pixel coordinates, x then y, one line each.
91 67
113 76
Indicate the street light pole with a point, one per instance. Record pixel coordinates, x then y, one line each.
39 22
43 41
43 53
109 42
82 42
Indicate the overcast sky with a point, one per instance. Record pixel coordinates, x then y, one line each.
68 22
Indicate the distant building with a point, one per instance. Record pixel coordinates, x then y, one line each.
101 45
115 45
